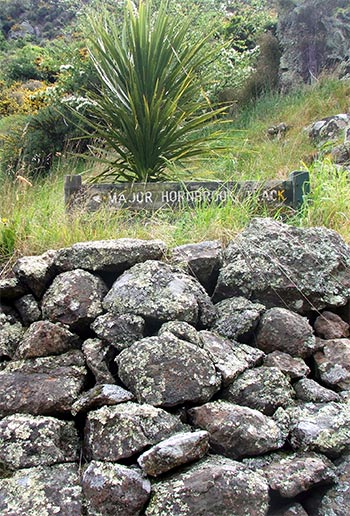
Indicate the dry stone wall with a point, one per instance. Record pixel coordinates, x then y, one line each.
138 380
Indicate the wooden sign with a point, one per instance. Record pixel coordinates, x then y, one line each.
153 196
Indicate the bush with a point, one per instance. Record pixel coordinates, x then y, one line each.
151 107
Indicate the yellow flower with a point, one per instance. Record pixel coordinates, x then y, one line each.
4 221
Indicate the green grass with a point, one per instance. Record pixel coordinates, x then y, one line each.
33 218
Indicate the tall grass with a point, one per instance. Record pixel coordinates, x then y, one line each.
33 218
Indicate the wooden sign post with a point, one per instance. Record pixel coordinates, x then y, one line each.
153 196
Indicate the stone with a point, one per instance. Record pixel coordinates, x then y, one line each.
329 128
114 433
237 318
283 330
28 309
113 489
98 357
237 431
44 338
42 386
202 260
101 395
290 474
167 371
36 272
27 441
330 326
280 265
109 255
333 363
212 487
309 390
291 366
336 501
320 427
261 388
182 330
175 451
159 293
10 336
228 356
74 298
44 490
11 288
119 330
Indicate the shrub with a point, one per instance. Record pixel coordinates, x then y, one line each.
150 108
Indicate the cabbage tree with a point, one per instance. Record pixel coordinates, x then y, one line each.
150 110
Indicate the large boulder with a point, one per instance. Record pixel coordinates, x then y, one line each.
27 441
42 386
212 487
167 371
290 474
114 433
119 330
262 388
159 293
74 298
237 431
320 427
113 489
336 502
237 318
45 338
329 325
175 451
109 255
44 490
283 330
280 265
36 272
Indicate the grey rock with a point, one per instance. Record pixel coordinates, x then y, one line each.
333 363
230 358
119 330
44 338
309 390
167 371
159 293
283 330
182 330
27 441
42 386
98 356
175 451
109 255
74 298
280 265
291 366
330 326
212 487
336 502
10 336
28 309
114 433
237 431
42 490
329 128
237 318
101 395
36 272
202 260
11 288
320 427
340 154
262 388
113 489
290 474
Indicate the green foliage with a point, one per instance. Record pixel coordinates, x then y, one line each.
151 103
